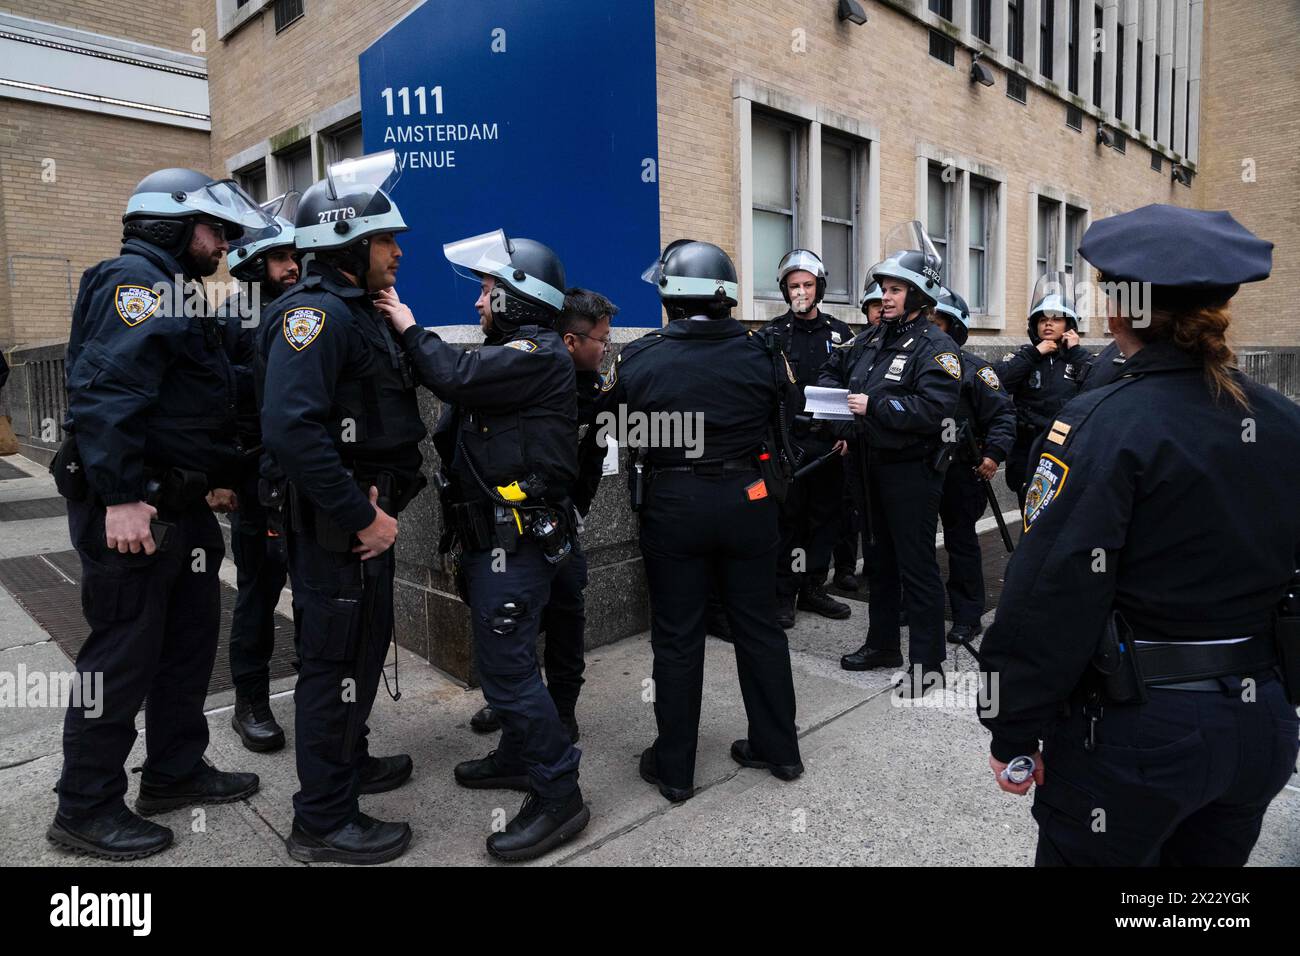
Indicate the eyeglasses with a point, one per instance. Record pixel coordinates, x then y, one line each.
604 343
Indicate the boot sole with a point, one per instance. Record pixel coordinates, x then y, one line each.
870 667
81 847
836 616
258 746
571 828
149 808
326 854
775 770
497 783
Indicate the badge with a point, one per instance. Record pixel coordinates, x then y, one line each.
990 377
950 362
1036 379
612 377
1046 484
523 345
835 337
1009 356
135 303
302 326
895 371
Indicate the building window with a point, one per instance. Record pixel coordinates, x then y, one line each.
942 7
1017 87
775 166
1045 251
1016 30
1096 58
1156 164
1137 120
295 171
344 143
1072 79
941 48
982 17
286 12
1074 118
1119 72
1045 37
1075 220
939 215
839 207
253 180
981 208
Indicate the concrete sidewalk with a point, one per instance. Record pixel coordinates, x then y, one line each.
884 784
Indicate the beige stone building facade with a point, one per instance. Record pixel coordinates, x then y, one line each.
779 124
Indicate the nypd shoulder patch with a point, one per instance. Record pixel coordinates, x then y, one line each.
1047 483
135 303
609 381
522 345
950 362
302 326
990 377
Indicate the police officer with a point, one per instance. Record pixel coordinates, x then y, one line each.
265 266
151 423
986 428
509 449
340 419
584 327
904 379
806 336
1105 368
1045 374
1161 530
709 514
847 543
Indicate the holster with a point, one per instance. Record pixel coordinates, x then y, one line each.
775 469
1116 673
68 471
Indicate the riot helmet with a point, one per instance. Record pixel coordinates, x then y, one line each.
247 258
349 206
528 275
954 308
797 260
695 278
166 204
910 255
1054 297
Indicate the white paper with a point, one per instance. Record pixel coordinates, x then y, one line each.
610 465
827 404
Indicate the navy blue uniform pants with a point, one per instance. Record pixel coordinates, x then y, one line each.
1182 780
261 571
960 508
905 570
508 594
564 622
809 522
343 612
154 623
696 531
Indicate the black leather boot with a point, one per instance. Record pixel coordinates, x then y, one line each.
651 776
362 842
381 774
487 774
206 785
540 826
785 611
869 659
485 721
743 754
961 633
256 724
814 598
115 835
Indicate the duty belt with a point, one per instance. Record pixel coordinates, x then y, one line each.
1188 663
712 467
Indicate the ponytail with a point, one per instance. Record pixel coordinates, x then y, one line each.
1201 331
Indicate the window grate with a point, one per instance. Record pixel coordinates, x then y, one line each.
941 48
1016 87
1157 162
1074 118
286 12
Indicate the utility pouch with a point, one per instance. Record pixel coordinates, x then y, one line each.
68 471
506 528
775 470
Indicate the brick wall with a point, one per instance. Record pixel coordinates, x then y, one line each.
52 231
1249 90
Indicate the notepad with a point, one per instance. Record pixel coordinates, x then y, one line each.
827 404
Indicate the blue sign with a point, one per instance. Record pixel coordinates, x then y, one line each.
526 115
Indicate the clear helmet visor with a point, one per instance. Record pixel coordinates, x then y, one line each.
226 200
912 237
484 254
801 260
653 272
376 169
1054 295
278 224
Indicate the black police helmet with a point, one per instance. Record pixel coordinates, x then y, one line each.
695 278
